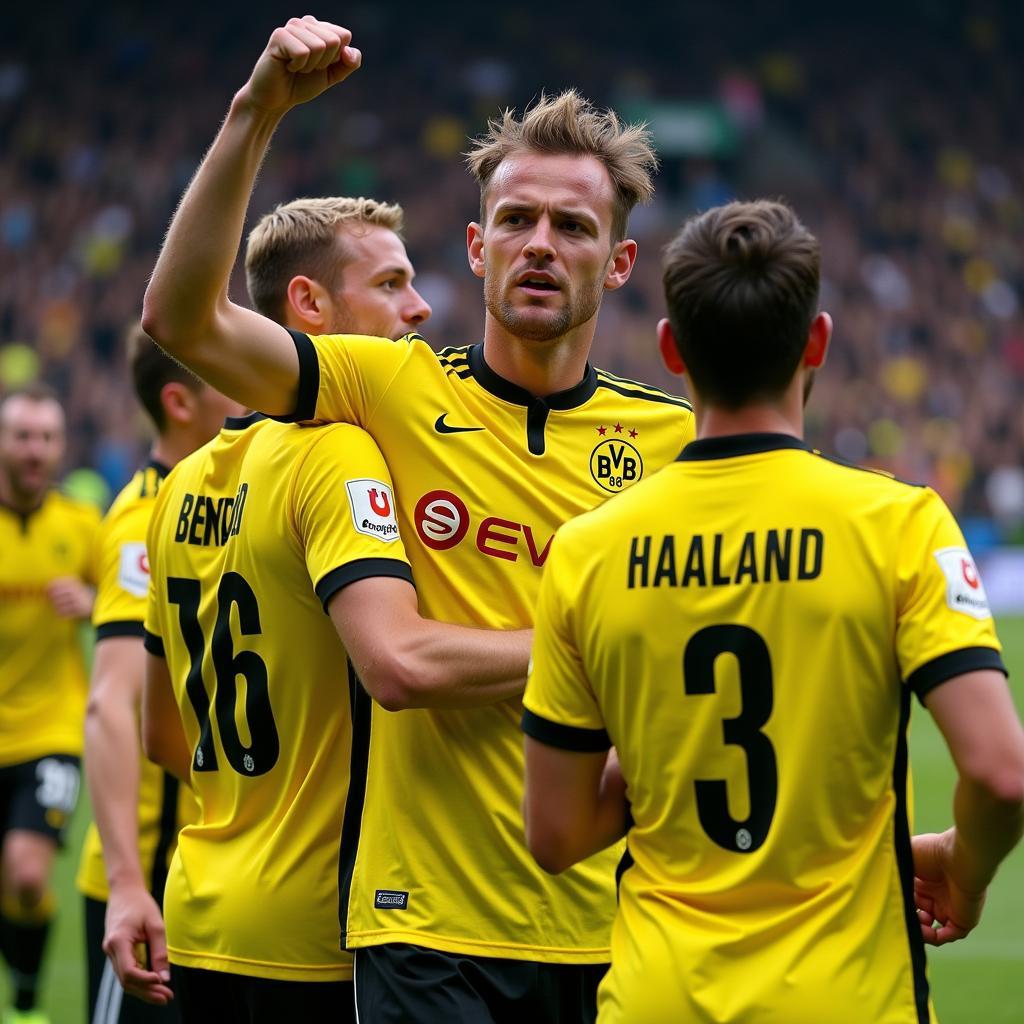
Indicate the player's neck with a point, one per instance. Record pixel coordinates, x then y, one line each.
170 448
773 418
540 367
19 501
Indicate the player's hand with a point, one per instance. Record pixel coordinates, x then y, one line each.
303 59
71 598
134 924
946 912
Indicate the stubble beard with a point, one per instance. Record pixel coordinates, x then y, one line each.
554 325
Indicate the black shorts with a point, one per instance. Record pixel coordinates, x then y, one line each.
108 1002
216 997
403 984
40 795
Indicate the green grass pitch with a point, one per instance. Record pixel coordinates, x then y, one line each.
972 981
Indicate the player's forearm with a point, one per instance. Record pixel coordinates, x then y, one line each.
441 665
989 823
112 776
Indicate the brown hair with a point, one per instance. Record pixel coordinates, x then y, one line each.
569 123
301 237
741 284
152 368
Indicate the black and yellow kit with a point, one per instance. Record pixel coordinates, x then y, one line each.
747 629
120 610
484 474
42 673
250 538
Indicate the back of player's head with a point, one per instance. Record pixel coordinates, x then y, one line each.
152 368
302 237
569 124
741 282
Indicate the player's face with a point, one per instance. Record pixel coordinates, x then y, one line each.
376 295
31 444
547 250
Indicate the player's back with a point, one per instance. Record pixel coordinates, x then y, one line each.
263 687
752 642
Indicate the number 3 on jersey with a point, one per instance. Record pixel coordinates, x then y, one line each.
261 754
755 672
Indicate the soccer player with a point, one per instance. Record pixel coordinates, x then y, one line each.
252 901
747 629
491 447
139 809
45 590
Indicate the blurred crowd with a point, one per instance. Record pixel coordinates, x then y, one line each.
896 135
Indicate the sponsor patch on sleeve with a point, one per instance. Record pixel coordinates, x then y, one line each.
133 575
373 509
964 590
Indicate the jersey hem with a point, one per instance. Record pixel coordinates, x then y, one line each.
153 644
475 947
308 390
565 737
360 569
939 670
120 627
259 968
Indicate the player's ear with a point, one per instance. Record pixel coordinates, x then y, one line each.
178 401
475 248
669 349
818 338
621 265
307 302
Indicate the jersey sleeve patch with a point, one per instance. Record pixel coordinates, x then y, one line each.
133 572
964 590
373 509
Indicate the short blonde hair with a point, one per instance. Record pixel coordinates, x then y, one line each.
570 123
301 237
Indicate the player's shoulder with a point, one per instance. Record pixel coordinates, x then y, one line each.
616 389
869 480
137 496
71 509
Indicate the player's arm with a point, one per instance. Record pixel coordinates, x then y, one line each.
976 715
406 661
574 804
163 736
112 774
187 309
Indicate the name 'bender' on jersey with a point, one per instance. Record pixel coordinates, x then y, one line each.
251 536
752 659
484 473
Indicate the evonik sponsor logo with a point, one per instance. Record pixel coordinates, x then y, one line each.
443 521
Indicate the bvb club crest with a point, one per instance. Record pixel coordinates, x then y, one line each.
616 463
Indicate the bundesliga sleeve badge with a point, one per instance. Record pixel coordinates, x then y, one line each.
964 590
373 509
133 574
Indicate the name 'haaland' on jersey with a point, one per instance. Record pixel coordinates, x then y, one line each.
774 556
203 520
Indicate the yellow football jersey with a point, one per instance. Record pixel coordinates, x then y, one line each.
484 475
747 629
120 610
42 672
250 538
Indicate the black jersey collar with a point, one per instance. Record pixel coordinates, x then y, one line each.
498 386
731 445
242 422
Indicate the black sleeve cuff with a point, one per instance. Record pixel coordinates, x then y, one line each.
969 659
153 644
360 569
565 737
124 627
309 380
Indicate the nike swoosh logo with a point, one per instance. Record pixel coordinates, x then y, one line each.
445 428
